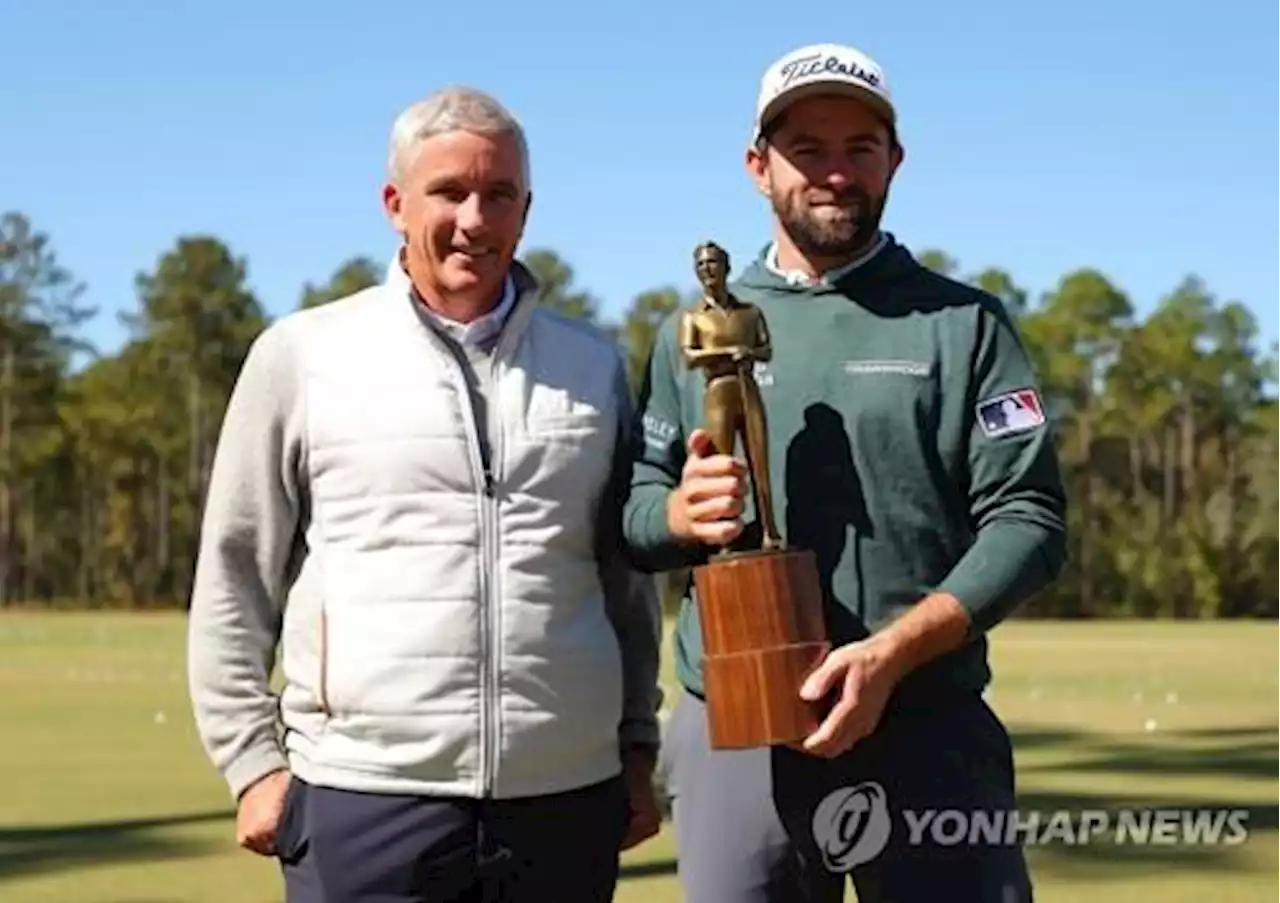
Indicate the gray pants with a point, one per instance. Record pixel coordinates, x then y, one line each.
336 846
778 826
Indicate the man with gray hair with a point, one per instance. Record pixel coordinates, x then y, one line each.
417 495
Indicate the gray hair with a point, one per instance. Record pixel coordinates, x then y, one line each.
451 109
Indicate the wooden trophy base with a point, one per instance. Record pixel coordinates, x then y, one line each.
762 634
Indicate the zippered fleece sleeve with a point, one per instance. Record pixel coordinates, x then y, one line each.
631 597
1016 496
658 443
246 542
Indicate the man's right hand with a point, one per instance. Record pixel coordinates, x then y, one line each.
707 505
258 814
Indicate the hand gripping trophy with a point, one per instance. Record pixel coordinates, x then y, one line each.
760 609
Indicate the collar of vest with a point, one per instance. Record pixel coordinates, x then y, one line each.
526 288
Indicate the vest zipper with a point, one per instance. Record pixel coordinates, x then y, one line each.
485 574
487 476
492 696
491 565
324 663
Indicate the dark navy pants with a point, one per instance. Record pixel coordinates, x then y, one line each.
338 846
779 826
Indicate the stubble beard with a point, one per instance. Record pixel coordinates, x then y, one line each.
825 238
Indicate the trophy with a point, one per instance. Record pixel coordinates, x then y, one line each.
760 609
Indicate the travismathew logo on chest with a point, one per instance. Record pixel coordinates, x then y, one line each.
897 367
810 66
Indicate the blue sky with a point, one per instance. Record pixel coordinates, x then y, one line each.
1135 136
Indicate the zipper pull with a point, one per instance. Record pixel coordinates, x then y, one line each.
488 484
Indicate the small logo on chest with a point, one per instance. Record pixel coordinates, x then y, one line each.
896 367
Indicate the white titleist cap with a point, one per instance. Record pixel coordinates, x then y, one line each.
822 69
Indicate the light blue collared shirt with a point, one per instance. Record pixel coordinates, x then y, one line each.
481 331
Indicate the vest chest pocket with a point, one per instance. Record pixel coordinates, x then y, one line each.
551 411
568 427
556 467
570 449
559 426
562 416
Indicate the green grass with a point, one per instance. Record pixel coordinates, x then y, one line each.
106 796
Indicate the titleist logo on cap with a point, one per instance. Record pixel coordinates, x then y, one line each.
810 66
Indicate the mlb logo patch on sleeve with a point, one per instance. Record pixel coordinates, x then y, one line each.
1011 412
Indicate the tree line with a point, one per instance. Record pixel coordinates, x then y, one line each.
1166 425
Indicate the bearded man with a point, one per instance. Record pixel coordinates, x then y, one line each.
931 509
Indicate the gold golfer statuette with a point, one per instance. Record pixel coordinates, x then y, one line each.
725 337
760 609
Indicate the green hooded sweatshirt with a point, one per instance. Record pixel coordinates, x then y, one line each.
908 449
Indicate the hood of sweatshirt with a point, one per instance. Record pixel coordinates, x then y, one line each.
883 279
